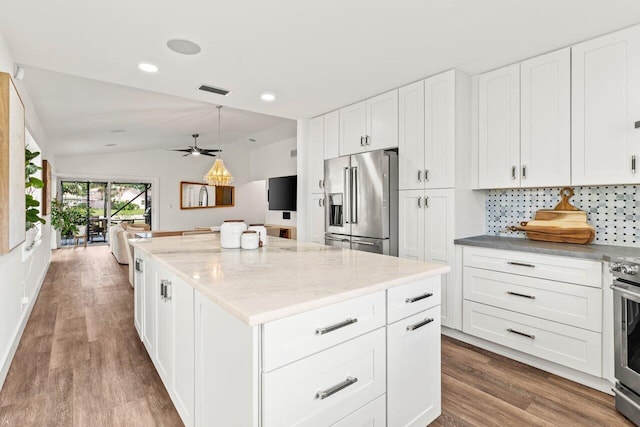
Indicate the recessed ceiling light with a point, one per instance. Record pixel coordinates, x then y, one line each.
185 47
148 68
268 97
117 130
110 145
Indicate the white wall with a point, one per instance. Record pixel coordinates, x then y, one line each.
170 168
272 161
20 278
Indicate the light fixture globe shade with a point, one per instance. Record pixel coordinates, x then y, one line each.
218 175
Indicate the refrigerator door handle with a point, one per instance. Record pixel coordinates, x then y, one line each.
361 242
354 195
347 195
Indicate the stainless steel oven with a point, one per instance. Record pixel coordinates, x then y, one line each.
626 312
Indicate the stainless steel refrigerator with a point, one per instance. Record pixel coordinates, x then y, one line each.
362 202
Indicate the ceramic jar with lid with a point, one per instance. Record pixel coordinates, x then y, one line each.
250 239
262 232
231 232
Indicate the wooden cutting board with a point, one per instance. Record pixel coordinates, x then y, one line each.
564 224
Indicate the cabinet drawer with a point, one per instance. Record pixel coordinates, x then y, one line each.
566 345
406 300
351 374
562 269
373 414
295 337
573 305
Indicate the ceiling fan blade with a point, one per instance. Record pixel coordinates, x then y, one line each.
208 154
185 155
186 150
204 150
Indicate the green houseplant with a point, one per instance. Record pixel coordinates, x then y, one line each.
31 183
66 219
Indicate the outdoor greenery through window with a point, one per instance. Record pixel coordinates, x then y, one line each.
90 208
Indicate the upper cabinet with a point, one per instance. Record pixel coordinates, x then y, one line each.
499 128
369 125
315 157
427 144
605 109
331 135
524 123
545 120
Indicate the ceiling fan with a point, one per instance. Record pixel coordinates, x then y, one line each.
194 150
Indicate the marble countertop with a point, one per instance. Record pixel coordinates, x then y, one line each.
283 278
595 252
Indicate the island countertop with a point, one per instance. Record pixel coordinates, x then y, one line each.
283 278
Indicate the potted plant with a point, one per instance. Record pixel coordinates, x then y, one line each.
66 219
32 183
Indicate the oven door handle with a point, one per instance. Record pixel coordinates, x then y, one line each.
626 292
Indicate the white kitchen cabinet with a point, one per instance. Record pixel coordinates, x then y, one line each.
315 218
175 341
315 157
151 292
370 125
432 127
138 293
499 128
373 414
331 135
411 144
426 233
605 109
413 369
545 125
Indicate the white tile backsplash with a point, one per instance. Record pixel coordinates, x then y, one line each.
614 211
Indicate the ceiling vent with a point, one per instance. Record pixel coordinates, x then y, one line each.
215 90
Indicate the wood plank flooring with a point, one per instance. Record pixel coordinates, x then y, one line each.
80 363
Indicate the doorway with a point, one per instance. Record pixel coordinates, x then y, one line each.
94 206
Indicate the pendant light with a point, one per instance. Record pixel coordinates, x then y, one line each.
218 175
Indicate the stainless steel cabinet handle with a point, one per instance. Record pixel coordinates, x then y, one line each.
513 331
336 388
327 329
524 172
367 140
516 294
419 324
320 183
513 172
633 164
360 242
362 141
138 264
163 284
333 239
637 125
419 176
320 202
418 298
521 264
426 175
426 201
167 288
419 202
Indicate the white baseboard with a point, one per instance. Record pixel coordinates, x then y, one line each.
8 357
597 383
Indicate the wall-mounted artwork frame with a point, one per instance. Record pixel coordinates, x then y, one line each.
12 157
199 195
46 190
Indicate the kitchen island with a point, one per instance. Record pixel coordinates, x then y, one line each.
292 333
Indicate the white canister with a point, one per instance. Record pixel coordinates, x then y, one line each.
262 232
250 239
230 233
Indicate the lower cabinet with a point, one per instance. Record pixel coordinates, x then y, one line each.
138 293
315 218
413 369
369 361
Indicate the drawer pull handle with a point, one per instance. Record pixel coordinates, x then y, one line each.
513 331
419 324
336 388
521 264
139 265
521 295
418 298
327 329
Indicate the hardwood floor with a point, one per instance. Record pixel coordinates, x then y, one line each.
80 363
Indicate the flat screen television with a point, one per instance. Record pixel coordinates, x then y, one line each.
282 193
